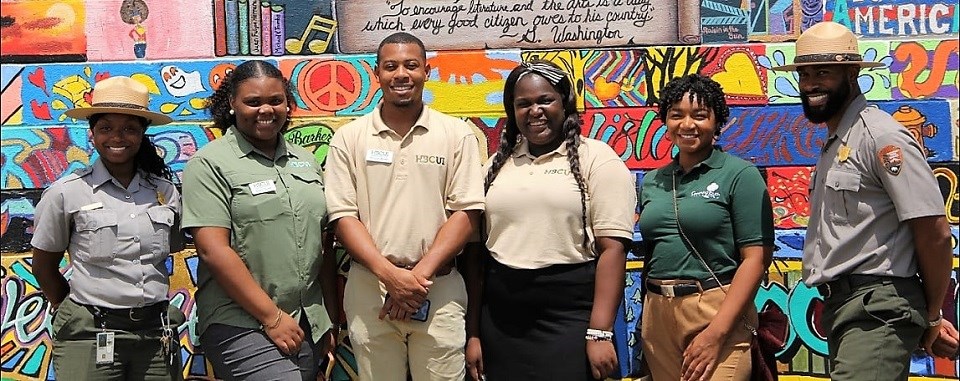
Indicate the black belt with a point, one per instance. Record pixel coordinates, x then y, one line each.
135 314
692 287
847 283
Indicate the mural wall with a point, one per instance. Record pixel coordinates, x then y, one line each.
620 52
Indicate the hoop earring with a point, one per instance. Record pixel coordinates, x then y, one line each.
231 112
288 108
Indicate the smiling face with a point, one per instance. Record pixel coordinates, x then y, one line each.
260 107
538 111
825 90
692 126
117 137
402 70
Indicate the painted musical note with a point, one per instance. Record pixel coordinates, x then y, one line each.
317 23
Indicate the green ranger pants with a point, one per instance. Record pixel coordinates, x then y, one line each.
873 326
137 354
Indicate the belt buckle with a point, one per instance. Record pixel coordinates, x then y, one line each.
667 290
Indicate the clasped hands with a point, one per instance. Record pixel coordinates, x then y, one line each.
406 292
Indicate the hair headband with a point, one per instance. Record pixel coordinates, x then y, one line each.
551 73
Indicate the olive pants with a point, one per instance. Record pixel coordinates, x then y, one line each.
872 328
137 351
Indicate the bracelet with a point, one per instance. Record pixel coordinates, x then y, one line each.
598 335
935 322
275 322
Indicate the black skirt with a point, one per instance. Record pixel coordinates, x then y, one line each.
533 322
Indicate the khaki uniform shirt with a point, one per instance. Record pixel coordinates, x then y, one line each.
534 214
871 177
118 238
403 188
276 213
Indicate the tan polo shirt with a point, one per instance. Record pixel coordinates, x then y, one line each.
533 212
403 188
119 238
871 177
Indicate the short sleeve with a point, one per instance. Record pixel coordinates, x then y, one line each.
750 209
465 189
51 222
902 168
340 187
206 195
613 198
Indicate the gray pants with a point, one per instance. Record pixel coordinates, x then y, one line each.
249 354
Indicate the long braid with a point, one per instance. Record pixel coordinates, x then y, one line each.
572 127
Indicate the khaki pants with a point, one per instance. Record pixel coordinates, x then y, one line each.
137 354
386 350
668 325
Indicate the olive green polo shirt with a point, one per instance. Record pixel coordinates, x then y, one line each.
723 206
871 176
275 211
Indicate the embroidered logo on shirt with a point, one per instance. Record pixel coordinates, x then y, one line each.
300 164
556 172
891 157
428 159
710 194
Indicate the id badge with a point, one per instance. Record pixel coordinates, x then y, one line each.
104 348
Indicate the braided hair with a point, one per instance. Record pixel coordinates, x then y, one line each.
510 136
147 158
218 104
706 91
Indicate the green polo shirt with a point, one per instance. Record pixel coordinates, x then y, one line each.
723 206
275 211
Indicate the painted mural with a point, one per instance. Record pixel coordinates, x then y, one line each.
620 54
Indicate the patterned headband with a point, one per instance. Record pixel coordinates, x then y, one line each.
551 73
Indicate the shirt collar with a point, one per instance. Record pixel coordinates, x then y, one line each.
523 149
850 117
100 175
379 126
715 160
244 148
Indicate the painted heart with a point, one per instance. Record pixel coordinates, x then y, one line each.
605 90
739 76
40 110
38 79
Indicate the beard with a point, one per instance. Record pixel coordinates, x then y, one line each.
836 99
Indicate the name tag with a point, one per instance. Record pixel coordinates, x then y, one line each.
380 156
94 206
105 348
263 187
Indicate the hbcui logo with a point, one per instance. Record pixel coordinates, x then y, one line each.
431 159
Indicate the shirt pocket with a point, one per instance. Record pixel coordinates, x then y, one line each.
161 217
309 192
842 196
96 235
247 207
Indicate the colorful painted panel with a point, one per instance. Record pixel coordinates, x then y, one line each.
736 69
789 195
875 83
148 29
636 134
894 18
273 27
11 85
615 79
342 85
42 31
469 83
925 69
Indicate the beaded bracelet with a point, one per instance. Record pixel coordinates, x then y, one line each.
598 335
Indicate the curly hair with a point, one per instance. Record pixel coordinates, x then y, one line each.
147 158
510 136
402 38
706 91
218 104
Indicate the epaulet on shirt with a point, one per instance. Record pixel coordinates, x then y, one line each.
78 174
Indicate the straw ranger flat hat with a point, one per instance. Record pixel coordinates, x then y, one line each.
119 95
827 43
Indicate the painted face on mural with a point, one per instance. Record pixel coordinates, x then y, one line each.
691 125
538 110
117 138
402 72
260 106
825 90
180 83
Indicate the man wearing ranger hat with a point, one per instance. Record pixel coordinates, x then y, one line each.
878 243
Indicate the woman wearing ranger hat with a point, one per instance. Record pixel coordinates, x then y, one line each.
878 243
116 218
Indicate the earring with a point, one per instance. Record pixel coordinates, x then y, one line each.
231 112
288 108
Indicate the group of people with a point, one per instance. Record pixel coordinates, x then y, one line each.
539 235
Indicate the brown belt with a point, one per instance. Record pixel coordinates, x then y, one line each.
444 269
